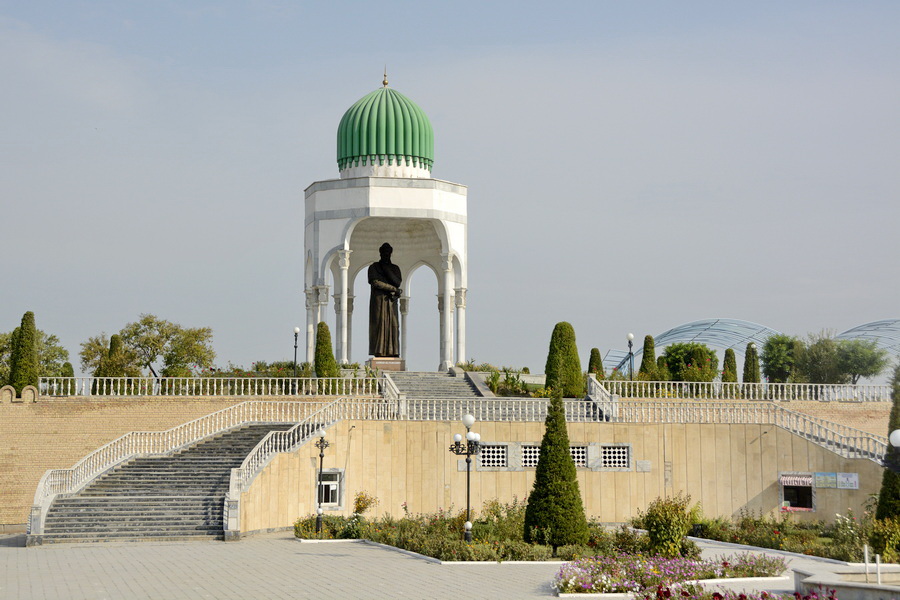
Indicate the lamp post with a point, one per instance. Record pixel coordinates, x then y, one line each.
296 336
470 448
630 337
321 444
890 458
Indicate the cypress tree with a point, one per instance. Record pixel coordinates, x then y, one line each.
554 514
889 496
648 360
23 367
595 364
68 386
662 368
729 368
563 368
751 364
325 364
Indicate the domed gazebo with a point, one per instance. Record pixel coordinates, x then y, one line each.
385 152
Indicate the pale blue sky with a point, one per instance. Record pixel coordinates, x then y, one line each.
631 165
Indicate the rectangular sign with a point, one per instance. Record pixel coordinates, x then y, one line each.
826 480
848 481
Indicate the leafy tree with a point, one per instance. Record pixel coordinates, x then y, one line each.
729 369
555 512
818 361
779 355
751 364
861 358
563 369
691 361
325 364
51 355
889 496
68 370
151 341
648 360
119 360
23 363
595 364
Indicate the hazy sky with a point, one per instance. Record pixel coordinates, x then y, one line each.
631 165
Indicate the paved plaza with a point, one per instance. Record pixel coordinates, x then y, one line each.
274 566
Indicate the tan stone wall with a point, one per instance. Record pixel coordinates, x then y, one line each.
37 436
725 467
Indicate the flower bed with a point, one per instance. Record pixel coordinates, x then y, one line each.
623 573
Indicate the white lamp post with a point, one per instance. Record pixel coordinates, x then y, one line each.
630 337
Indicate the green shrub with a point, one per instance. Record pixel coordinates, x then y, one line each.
595 364
563 369
751 364
573 551
691 361
667 521
23 361
729 369
885 539
889 495
647 370
555 513
325 364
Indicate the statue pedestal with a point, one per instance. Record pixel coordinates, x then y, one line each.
386 363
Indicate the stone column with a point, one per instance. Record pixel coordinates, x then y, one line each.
349 325
310 324
460 325
338 347
404 310
446 314
344 264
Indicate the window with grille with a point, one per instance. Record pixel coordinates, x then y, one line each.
579 455
615 457
530 456
492 456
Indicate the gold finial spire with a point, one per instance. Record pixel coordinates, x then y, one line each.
385 83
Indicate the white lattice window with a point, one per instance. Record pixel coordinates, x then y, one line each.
492 456
530 456
615 457
579 455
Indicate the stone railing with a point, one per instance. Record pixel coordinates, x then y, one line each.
291 439
777 392
66 481
843 440
209 386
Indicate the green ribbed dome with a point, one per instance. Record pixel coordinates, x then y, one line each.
385 126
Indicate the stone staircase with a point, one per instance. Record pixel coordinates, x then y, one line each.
433 385
175 497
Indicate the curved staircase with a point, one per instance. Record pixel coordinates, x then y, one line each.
173 497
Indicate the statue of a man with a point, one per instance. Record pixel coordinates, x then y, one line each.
384 319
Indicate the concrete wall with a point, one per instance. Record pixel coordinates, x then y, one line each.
725 467
55 434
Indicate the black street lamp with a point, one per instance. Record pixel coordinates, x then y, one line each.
630 357
470 448
321 444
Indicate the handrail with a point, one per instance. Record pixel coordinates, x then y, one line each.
389 388
289 440
62 481
777 392
208 386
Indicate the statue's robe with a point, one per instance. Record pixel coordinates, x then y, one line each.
384 316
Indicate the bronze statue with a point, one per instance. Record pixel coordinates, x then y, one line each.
384 319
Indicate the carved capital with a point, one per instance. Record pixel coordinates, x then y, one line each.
447 262
322 294
460 297
344 259
310 298
404 305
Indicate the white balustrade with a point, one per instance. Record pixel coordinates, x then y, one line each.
716 390
208 386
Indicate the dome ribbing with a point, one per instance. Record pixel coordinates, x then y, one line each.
387 127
